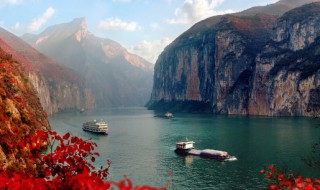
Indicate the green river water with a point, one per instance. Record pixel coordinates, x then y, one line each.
141 146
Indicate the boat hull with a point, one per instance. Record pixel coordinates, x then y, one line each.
99 127
213 156
205 154
96 132
182 151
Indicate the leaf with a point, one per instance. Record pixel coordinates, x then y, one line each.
66 136
96 154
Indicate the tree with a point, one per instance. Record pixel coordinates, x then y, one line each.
67 165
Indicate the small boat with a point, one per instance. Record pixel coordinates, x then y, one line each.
168 115
184 147
95 126
187 148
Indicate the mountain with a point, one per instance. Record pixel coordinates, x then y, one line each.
117 77
21 111
243 63
276 10
58 86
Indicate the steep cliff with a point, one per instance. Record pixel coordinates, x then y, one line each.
286 80
117 77
243 64
212 66
58 87
21 112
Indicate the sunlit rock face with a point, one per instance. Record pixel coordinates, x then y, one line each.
257 64
115 77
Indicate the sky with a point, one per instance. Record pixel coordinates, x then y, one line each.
144 27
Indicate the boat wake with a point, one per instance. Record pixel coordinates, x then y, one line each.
231 159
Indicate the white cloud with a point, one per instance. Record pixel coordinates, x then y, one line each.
41 20
195 10
118 24
150 50
154 26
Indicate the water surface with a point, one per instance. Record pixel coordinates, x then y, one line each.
141 146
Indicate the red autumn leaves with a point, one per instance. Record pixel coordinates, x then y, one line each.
279 180
67 165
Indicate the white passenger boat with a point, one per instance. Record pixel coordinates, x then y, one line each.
96 127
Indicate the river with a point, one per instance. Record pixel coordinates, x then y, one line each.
141 146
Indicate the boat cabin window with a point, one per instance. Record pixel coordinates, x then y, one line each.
184 145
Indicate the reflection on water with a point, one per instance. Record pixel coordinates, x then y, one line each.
141 146
188 160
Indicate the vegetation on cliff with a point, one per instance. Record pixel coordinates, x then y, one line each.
21 112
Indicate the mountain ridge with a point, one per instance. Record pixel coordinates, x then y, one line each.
275 9
117 77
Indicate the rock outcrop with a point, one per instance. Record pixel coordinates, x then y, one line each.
57 86
244 63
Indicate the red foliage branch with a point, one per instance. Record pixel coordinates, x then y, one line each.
280 180
67 166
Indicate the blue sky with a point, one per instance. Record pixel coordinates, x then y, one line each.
144 27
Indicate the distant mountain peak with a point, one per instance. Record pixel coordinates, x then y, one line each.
80 20
81 24
77 29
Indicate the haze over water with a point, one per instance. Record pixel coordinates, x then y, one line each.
141 146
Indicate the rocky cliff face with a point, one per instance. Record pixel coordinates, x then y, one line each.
21 112
57 86
212 66
61 95
117 77
286 80
244 65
